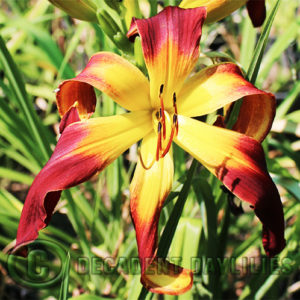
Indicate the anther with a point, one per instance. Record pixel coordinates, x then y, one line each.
159 127
174 119
162 111
161 89
174 103
158 149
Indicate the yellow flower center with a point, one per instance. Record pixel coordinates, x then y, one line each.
165 126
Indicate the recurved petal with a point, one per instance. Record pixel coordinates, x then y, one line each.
238 161
83 149
216 9
76 91
149 188
111 74
170 42
257 11
162 277
256 116
218 85
71 116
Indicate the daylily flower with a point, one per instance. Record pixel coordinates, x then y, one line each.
219 9
161 112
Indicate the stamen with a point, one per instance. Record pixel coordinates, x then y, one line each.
175 122
170 141
158 148
176 113
174 103
142 162
174 127
161 130
174 119
159 127
162 110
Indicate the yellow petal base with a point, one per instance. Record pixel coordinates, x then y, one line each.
165 278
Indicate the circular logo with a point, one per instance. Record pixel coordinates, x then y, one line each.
42 267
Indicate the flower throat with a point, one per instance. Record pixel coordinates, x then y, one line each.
161 151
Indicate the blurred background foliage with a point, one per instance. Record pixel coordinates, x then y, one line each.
41 46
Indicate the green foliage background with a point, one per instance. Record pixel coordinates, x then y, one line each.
39 47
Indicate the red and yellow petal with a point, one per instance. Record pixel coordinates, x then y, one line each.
238 161
149 188
170 42
218 85
83 149
111 74
256 116
216 9
162 277
71 116
257 11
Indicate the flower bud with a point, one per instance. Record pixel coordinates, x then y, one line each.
112 30
107 23
78 9
132 9
216 9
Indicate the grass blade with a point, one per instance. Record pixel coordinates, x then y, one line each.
255 62
278 47
17 85
261 45
287 103
248 42
63 295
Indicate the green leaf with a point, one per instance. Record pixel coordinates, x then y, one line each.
261 45
63 295
287 103
248 42
15 176
17 85
291 185
189 229
50 48
282 42
170 228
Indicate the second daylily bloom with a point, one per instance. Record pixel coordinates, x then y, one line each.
161 112
219 9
